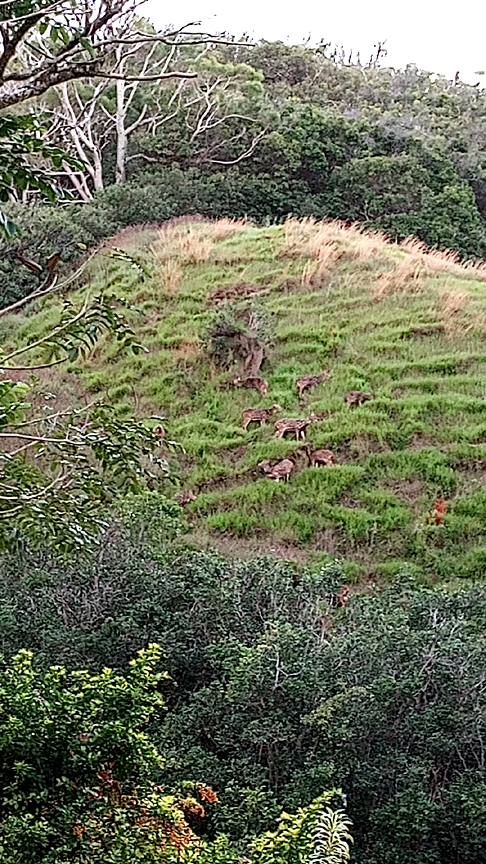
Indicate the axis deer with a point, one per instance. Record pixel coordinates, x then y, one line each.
341 598
281 469
297 426
258 384
319 457
258 415
357 397
184 498
308 382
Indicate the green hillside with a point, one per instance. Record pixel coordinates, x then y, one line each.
405 325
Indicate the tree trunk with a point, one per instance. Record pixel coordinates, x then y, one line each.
121 134
97 173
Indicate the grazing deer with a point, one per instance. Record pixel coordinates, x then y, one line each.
308 382
341 598
184 498
319 457
357 397
281 469
440 511
298 426
258 415
253 384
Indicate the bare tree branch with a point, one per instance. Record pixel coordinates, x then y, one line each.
40 292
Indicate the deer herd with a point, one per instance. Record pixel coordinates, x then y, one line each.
283 468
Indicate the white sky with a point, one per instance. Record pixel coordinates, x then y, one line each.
438 35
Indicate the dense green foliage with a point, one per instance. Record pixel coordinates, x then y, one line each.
275 695
76 763
401 151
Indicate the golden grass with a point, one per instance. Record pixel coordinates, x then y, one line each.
325 255
188 242
221 229
188 350
353 241
405 277
453 306
328 241
444 260
171 274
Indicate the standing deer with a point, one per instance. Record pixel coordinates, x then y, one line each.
281 469
319 457
184 498
258 415
255 383
341 598
308 382
297 426
357 397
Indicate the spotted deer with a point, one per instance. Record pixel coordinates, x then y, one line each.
319 457
341 598
308 382
297 426
258 415
258 384
357 397
282 469
184 498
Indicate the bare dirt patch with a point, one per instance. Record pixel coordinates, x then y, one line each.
409 491
239 291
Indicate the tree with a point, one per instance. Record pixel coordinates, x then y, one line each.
316 834
83 457
214 118
60 470
78 767
21 142
48 43
44 44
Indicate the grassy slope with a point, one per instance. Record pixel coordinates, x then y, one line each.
408 326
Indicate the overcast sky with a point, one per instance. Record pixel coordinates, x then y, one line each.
437 35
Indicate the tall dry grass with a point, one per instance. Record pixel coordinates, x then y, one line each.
456 317
193 242
405 277
308 238
171 274
444 260
322 260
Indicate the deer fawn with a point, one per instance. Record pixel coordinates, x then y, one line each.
258 384
281 469
308 382
298 426
357 397
319 457
258 415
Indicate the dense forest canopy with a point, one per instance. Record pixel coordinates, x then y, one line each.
265 131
